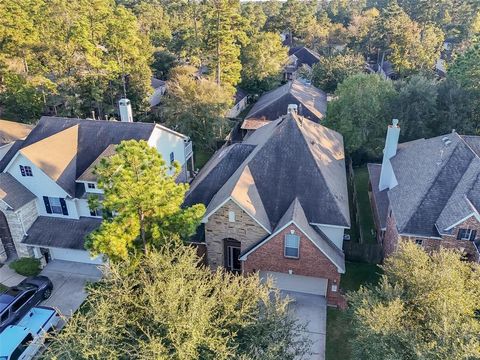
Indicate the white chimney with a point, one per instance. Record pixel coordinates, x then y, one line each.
292 108
387 176
125 110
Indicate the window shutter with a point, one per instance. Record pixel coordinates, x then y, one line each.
459 234
473 235
22 170
64 206
47 205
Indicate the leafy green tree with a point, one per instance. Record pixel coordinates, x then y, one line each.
169 307
153 22
361 30
410 47
415 104
425 307
466 68
196 107
254 16
224 33
332 70
361 112
163 62
296 16
141 191
21 100
262 62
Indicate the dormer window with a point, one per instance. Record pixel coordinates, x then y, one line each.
292 245
26 170
91 185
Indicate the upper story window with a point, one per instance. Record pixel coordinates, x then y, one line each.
419 242
91 185
292 245
466 234
172 157
26 170
54 205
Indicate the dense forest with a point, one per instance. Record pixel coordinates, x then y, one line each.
76 58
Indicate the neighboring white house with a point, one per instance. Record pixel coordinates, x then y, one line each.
45 183
240 103
159 89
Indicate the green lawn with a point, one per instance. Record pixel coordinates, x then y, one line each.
338 323
367 225
201 157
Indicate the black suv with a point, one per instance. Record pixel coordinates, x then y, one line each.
18 300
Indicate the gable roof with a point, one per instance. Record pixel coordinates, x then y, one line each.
12 193
304 56
11 131
436 197
312 103
88 174
289 158
296 215
73 144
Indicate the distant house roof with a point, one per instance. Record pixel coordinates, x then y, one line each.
312 103
240 94
438 183
304 56
289 158
59 232
12 193
64 148
156 83
11 131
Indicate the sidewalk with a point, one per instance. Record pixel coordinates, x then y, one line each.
9 277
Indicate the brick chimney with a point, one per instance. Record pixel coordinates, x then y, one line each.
387 176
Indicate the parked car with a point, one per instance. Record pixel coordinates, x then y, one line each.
18 300
24 340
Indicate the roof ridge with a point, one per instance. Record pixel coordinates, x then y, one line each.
317 167
250 114
462 138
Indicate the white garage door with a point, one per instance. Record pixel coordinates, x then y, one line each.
299 283
74 255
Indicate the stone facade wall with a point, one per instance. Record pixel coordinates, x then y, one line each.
19 222
430 244
311 262
244 229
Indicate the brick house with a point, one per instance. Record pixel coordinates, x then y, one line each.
277 204
428 191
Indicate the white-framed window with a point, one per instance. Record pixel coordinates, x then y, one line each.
466 234
96 212
91 185
292 245
419 242
231 216
26 170
54 205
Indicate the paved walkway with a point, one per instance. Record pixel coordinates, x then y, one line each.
9 277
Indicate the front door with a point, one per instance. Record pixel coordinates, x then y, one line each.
232 253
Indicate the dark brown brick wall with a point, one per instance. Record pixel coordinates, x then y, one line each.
311 262
447 241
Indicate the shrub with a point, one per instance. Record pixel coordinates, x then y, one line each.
26 266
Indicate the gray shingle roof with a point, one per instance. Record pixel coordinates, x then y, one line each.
60 232
305 56
381 197
290 158
311 101
433 182
93 137
14 194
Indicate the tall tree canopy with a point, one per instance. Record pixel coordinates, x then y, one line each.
425 307
361 112
169 307
196 107
142 202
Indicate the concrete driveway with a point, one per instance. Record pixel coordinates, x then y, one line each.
312 311
69 279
